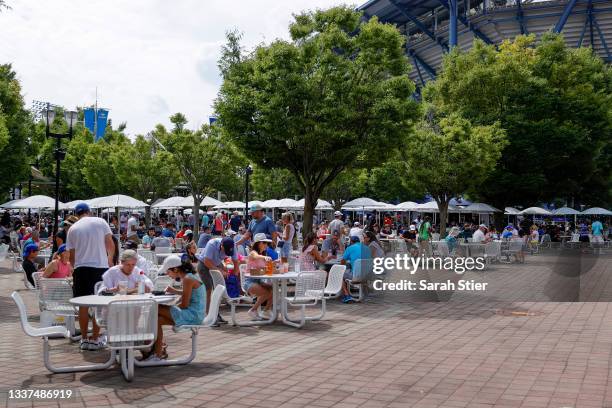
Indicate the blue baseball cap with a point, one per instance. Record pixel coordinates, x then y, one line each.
355 238
29 249
228 246
81 208
61 249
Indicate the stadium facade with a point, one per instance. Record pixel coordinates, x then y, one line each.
432 27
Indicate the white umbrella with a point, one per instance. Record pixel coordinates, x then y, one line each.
566 211
511 211
8 203
321 205
381 207
271 203
187 202
117 200
535 211
432 206
475 208
360 203
168 203
288 203
406 206
229 205
596 211
71 205
37 201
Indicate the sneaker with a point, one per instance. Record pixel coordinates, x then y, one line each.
254 315
84 345
154 358
348 299
266 314
96 345
221 320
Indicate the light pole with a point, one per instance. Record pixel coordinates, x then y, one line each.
248 170
60 154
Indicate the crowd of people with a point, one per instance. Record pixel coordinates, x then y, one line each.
87 248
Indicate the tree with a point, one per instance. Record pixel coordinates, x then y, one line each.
335 96
204 160
146 172
554 103
274 183
449 156
16 126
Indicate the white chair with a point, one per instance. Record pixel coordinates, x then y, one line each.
361 275
148 255
36 277
209 320
435 236
130 325
574 241
402 248
309 290
492 252
4 249
515 247
54 296
334 281
442 249
54 331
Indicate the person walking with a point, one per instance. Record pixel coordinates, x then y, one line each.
91 247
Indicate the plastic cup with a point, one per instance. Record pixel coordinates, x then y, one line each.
123 287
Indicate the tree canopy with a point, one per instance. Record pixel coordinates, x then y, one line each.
334 97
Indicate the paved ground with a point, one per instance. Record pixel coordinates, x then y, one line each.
394 350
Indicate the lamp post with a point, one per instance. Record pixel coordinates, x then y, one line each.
60 154
248 170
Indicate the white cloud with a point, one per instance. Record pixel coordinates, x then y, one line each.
148 59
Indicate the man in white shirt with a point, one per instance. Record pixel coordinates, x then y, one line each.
132 228
479 235
337 224
357 231
91 247
127 271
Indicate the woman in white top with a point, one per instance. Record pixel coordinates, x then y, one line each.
287 237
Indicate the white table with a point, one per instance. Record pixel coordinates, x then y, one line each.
277 291
103 301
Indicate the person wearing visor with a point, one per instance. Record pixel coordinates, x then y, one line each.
215 252
60 267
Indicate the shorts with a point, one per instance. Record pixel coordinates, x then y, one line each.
250 282
85 279
205 275
348 275
286 250
597 239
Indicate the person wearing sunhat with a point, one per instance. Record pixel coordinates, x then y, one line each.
30 252
59 267
91 247
260 224
257 259
213 257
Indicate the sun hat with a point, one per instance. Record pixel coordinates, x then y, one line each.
70 220
170 262
81 208
261 237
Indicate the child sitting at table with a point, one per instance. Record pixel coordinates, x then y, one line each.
190 310
257 261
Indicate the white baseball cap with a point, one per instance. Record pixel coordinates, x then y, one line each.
337 214
172 261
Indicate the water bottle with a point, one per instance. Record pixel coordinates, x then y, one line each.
141 283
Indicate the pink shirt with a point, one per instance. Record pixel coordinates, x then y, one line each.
63 270
255 263
307 260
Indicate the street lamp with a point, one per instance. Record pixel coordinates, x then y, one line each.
248 170
59 153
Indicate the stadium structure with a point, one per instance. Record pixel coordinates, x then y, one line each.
432 27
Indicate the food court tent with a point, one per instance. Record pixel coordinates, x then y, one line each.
566 211
271 203
511 211
8 203
362 203
117 201
72 204
597 211
406 206
188 202
321 205
432 207
479 208
37 201
169 203
229 205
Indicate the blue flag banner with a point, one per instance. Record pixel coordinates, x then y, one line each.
101 123
212 119
90 118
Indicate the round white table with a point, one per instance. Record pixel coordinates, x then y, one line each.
101 301
278 292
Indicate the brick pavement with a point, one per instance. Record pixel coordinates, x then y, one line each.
394 350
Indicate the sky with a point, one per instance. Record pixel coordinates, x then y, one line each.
148 59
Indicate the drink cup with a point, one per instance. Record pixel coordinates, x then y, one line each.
123 287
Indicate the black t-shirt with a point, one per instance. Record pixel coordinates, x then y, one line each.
235 223
29 268
407 234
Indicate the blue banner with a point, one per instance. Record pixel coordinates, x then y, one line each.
212 119
90 118
101 123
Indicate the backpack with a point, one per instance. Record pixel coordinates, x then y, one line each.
232 285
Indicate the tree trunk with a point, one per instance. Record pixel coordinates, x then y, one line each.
310 199
443 208
196 216
147 218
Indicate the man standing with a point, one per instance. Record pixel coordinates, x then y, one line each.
337 224
424 236
260 224
597 231
91 248
235 221
132 228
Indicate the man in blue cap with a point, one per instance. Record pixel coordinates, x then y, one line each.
260 224
91 247
30 252
354 255
213 257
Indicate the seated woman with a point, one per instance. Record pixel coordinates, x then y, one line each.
190 250
451 239
59 267
310 254
370 240
190 310
256 287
